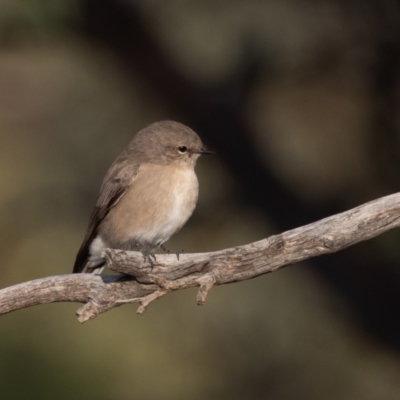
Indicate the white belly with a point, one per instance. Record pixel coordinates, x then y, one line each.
182 197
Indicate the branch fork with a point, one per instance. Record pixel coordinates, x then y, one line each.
117 260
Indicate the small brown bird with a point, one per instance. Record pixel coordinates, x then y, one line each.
147 195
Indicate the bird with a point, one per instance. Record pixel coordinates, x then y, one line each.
147 195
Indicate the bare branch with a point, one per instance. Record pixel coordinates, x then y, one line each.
145 283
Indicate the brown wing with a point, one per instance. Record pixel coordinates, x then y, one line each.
119 177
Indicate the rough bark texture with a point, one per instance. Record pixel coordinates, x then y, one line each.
145 283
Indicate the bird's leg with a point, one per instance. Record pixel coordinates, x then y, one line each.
146 250
147 256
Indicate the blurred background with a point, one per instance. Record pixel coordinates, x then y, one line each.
299 99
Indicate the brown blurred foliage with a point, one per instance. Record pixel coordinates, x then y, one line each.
300 100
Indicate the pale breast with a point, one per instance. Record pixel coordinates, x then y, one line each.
182 198
156 205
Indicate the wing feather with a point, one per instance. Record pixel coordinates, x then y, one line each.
118 179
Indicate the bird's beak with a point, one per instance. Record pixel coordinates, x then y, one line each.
204 150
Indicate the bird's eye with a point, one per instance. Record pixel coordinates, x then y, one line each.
182 149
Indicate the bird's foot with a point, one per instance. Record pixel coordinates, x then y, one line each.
181 251
168 251
149 256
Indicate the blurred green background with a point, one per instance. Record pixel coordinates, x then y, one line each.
299 99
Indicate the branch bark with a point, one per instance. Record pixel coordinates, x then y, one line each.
138 283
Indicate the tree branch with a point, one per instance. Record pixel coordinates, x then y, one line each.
145 283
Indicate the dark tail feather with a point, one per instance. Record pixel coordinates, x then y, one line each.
81 260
